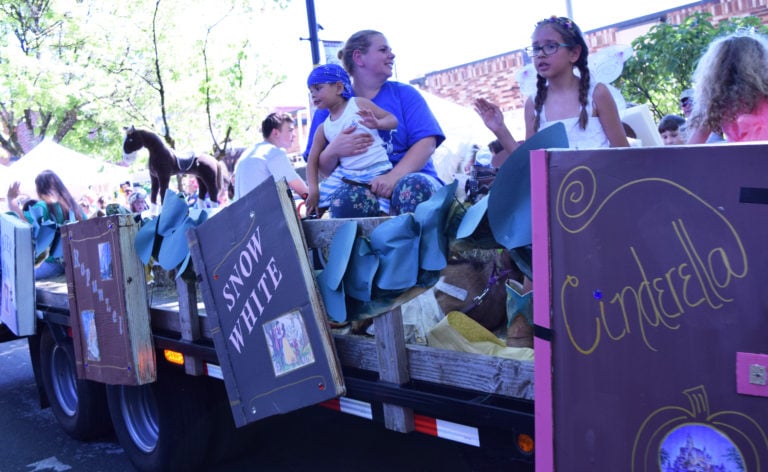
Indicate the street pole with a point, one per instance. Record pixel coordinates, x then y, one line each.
314 42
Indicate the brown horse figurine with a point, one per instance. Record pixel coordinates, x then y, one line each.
164 162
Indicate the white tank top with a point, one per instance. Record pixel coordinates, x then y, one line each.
375 154
593 136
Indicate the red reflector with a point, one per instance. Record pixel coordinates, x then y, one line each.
333 404
425 424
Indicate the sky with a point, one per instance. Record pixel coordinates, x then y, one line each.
427 35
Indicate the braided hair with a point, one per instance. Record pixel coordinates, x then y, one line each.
571 35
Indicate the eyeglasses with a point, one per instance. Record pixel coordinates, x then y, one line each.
548 49
686 101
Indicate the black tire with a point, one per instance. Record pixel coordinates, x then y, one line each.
80 406
165 425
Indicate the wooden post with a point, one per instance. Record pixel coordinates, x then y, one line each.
393 366
189 322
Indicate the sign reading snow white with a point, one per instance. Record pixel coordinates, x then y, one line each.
270 329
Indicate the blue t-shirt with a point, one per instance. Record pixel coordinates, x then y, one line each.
415 122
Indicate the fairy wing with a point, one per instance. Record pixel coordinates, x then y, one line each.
526 80
606 64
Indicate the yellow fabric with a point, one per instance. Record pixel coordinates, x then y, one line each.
471 329
458 332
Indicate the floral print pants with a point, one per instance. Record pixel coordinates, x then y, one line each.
354 201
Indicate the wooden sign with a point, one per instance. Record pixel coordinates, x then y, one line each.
17 300
108 301
658 307
270 328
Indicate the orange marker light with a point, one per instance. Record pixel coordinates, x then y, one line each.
173 357
525 443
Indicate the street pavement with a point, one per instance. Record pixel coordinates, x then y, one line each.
313 439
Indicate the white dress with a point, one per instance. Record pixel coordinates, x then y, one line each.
593 136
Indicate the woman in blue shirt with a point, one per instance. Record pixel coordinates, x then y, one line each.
369 60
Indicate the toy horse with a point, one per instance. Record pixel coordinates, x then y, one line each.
164 162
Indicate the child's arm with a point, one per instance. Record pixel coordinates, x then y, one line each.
373 116
13 205
608 114
493 119
698 135
313 162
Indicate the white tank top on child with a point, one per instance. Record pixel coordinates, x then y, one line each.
375 154
593 136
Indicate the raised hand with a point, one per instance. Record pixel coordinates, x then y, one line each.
490 113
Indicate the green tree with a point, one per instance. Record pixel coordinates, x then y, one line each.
664 59
78 71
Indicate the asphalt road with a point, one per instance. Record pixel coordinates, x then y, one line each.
313 439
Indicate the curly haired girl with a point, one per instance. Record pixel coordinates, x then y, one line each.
731 89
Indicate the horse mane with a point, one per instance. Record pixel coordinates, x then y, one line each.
153 141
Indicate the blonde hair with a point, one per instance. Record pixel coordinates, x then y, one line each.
731 79
359 41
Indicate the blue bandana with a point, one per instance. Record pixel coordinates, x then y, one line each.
330 74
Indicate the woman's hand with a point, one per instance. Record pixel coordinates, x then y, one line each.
349 143
383 185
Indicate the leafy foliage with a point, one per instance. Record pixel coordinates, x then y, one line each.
78 71
665 58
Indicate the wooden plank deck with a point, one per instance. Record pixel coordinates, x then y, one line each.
486 374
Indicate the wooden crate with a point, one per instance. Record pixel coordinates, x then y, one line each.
17 307
107 294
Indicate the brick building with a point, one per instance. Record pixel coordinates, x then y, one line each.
494 77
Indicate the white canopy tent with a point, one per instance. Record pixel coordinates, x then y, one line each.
79 172
463 127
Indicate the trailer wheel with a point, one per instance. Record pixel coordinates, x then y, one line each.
80 406
163 426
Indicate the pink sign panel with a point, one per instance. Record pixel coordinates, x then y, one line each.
650 270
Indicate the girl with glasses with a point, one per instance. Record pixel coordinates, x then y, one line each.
564 93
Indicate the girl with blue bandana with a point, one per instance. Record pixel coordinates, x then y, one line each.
331 89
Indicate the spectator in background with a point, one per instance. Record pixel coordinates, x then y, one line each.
126 190
686 103
137 202
670 129
268 157
55 204
191 191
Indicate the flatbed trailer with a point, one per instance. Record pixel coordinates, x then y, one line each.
649 310
479 400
